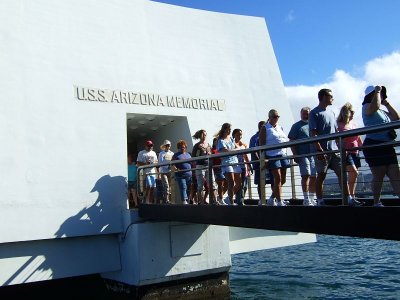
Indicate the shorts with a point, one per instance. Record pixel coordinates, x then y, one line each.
202 178
332 161
269 178
218 174
353 159
277 163
307 166
379 156
151 181
132 184
231 169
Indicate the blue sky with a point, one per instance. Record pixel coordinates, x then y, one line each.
313 38
342 45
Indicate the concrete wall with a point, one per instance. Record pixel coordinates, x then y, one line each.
63 160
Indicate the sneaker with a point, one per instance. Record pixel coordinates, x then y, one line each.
308 202
313 201
321 203
354 202
281 203
287 202
226 201
379 204
185 202
259 203
271 202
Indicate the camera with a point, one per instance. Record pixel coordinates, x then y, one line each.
383 93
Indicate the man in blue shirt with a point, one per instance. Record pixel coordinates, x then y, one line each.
256 165
322 121
300 130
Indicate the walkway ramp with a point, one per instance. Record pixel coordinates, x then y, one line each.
364 222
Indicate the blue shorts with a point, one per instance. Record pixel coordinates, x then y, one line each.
151 181
231 169
307 166
132 184
277 163
353 159
218 174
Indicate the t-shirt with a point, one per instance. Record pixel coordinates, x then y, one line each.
378 117
132 169
275 135
229 144
351 141
198 150
324 122
148 157
165 156
183 166
299 131
254 143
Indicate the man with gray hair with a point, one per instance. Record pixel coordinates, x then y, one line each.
306 164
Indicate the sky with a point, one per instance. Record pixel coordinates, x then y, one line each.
344 45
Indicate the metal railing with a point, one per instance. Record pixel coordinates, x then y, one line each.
260 150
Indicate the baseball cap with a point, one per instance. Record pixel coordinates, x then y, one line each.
149 143
369 89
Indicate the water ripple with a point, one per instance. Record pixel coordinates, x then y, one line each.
333 268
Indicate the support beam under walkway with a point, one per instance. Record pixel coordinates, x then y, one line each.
365 222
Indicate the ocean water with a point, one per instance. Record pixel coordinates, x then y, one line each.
332 268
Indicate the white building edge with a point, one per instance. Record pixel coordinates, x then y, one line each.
78 78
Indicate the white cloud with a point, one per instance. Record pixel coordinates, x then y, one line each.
290 16
383 70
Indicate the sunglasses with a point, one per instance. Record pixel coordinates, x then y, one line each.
275 117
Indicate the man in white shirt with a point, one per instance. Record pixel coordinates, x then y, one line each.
148 157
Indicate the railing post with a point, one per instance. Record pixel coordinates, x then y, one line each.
211 191
262 176
292 179
343 176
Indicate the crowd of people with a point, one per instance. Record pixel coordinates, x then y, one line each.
230 174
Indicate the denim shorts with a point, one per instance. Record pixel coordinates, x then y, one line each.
353 159
132 184
307 166
218 174
278 163
231 169
151 181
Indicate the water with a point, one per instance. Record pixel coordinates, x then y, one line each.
332 268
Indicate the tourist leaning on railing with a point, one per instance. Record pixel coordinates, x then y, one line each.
183 173
271 134
381 159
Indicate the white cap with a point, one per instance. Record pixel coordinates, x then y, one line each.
369 89
166 142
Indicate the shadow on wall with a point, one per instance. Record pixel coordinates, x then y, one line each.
107 209
87 229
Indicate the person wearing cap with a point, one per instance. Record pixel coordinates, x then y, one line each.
382 160
148 157
165 171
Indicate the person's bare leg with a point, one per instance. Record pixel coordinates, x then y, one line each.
378 173
393 173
